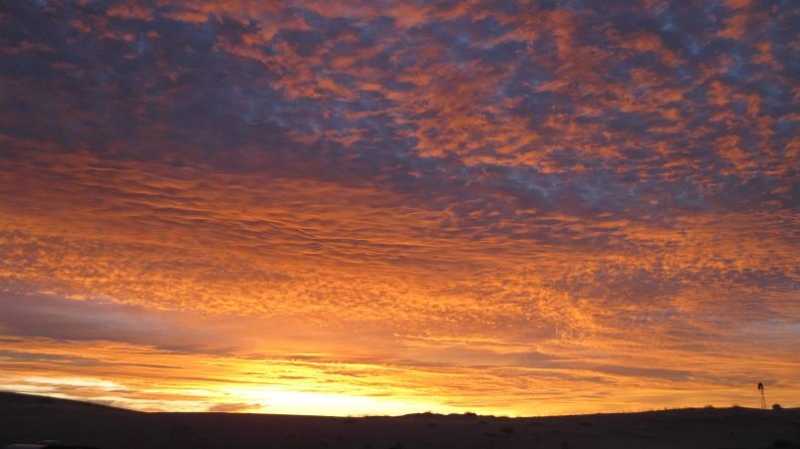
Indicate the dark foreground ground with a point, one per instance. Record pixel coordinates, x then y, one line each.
31 418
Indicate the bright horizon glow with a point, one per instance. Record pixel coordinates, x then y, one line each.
304 403
286 402
309 388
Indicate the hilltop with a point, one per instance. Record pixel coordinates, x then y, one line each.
18 404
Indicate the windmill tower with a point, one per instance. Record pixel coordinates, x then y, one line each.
761 390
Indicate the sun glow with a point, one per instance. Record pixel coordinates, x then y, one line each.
283 401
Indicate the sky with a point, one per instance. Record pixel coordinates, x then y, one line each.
385 207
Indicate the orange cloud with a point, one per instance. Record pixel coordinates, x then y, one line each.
510 208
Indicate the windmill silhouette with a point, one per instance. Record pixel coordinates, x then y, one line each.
761 390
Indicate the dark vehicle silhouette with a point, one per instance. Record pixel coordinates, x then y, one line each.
47 446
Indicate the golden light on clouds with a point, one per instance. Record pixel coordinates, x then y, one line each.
388 208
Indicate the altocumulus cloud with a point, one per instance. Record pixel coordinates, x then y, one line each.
479 197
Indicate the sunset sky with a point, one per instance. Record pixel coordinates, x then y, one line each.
386 207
